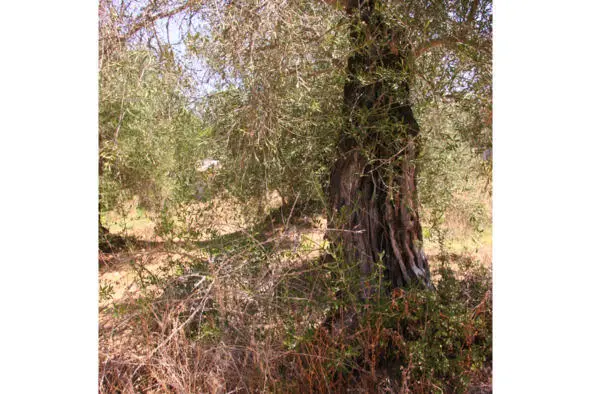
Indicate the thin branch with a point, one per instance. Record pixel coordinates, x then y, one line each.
146 21
450 41
472 12
189 319
431 44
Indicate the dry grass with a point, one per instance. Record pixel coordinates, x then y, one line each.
239 309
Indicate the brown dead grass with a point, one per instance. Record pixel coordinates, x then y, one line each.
149 340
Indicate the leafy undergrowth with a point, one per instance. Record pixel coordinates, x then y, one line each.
257 311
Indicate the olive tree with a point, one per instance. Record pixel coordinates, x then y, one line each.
330 92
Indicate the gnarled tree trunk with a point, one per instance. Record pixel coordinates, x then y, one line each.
373 183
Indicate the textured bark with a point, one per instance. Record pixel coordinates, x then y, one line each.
373 183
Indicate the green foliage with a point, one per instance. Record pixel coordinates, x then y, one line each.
279 71
105 291
250 305
453 179
277 112
149 139
413 341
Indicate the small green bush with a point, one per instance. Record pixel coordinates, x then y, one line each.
416 341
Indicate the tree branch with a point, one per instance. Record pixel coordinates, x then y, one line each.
472 12
428 45
144 21
451 41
